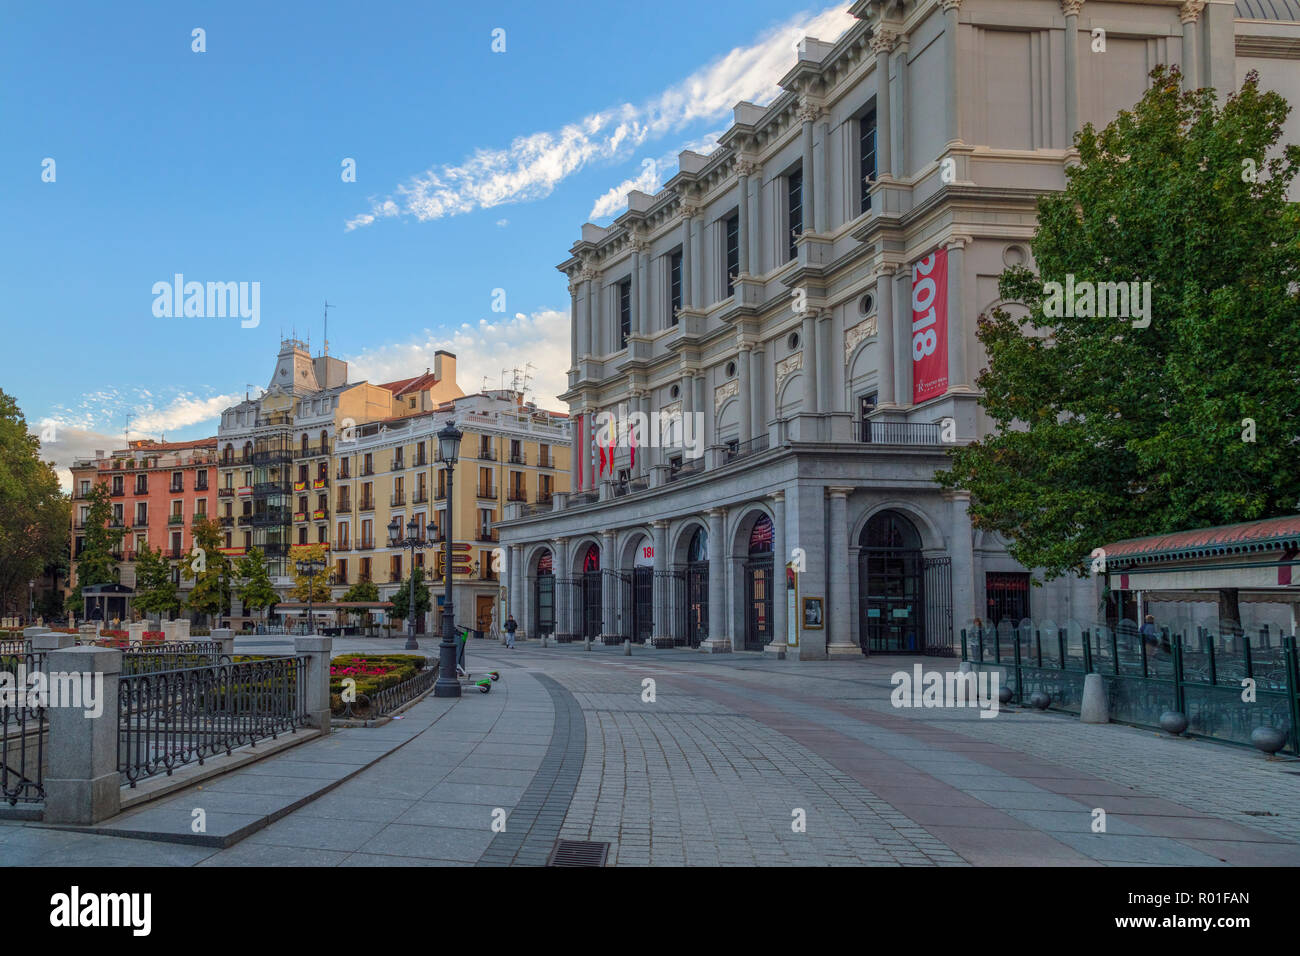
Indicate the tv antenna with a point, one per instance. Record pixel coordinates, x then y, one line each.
327 326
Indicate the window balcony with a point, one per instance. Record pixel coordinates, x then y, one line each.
518 458
225 492
421 497
175 519
517 494
487 454
345 504
398 499
142 489
320 514
900 433
117 493
487 492
486 534
544 461
368 545
366 504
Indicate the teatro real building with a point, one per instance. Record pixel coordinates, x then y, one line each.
801 304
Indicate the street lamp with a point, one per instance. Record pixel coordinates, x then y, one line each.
448 450
414 542
309 568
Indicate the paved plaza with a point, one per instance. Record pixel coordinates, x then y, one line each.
721 760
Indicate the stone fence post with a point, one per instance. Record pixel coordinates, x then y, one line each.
82 784
226 638
317 680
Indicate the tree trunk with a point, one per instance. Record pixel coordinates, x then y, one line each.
1229 610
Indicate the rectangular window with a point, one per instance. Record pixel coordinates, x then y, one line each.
866 405
866 157
794 210
624 312
731 246
674 286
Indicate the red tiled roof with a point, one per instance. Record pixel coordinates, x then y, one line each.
148 444
1268 534
417 384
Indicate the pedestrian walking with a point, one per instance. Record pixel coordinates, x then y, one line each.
511 627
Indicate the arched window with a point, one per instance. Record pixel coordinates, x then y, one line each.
761 536
591 560
889 529
699 547
544 563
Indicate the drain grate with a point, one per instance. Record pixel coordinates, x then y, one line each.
578 853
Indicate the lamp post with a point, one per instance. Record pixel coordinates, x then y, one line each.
414 543
309 568
449 450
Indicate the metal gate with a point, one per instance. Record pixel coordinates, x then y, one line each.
544 604
642 604
23 731
937 588
592 607
758 603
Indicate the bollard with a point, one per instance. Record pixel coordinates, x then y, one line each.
627 648
1095 708
226 638
586 642
316 683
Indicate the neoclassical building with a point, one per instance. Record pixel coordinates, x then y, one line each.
801 305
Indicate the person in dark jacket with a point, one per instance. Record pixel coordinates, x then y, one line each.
511 627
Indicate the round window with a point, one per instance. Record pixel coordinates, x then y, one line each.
731 370
793 341
675 391
867 304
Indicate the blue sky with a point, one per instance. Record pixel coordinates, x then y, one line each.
475 171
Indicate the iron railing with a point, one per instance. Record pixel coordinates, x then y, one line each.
23 733
745 449
389 699
900 433
171 718
1200 676
176 655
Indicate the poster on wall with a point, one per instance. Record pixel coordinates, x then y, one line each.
930 326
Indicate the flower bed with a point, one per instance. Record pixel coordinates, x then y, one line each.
372 673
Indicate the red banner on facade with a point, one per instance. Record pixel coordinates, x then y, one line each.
930 326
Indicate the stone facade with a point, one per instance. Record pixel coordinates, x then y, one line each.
776 275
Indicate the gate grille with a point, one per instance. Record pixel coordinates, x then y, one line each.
938 607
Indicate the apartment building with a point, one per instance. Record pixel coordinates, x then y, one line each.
512 453
157 491
799 306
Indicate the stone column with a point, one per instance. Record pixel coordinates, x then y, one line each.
573 321
823 195
956 314
780 555
809 335
744 383
597 319
962 552
582 320
702 404
1071 10
1188 14
588 459
515 590
316 683
719 641
609 590
903 166
662 632
639 246
882 42
835 616
808 113
744 168
903 336
578 434
950 98
590 280
647 455
82 783
828 400
885 333
757 391
689 211
563 585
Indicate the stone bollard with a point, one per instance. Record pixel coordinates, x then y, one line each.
169 631
51 641
586 643
31 633
1095 708
183 629
964 667
82 782
135 633
627 648
543 640
317 680
225 637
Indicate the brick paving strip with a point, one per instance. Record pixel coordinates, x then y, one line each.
534 825
970 792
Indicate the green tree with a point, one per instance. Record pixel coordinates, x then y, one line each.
156 593
208 568
362 591
317 588
96 564
255 592
1104 429
402 598
34 512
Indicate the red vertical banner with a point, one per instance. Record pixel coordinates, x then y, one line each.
930 326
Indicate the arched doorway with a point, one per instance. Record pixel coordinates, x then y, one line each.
639 604
591 610
891 589
759 585
544 594
696 580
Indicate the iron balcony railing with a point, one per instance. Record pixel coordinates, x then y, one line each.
421 497
518 458
517 494
225 492
487 454
117 492
366 504
367 545
900 433
747 448
398 499
543 460
687 469
487 491
175 519
142 489
487 534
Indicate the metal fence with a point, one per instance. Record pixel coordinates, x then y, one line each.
1227 685
170 718
23 734
147 658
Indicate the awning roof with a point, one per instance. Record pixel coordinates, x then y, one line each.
1246 538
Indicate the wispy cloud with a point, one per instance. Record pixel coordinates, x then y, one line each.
654 173
534 164
482 351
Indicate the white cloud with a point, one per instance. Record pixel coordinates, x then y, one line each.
654 172
482 350
535 163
